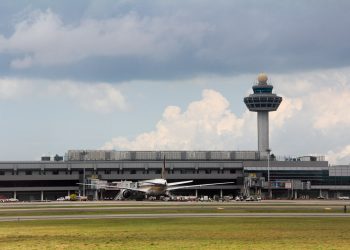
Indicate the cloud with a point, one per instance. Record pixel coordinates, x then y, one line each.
342 155
157 40
330 107
45 39
324 96
11 89
205 124
101 98
22 63
287 109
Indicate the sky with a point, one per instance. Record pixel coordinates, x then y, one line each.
172 75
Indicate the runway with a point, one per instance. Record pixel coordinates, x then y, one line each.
174 215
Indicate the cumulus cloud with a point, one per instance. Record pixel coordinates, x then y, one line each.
323 96
287 109
11 89
98 97
331 107
44 39
205 124
341 155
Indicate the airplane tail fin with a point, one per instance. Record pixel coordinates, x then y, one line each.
163 176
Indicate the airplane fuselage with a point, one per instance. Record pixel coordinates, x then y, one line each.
154 187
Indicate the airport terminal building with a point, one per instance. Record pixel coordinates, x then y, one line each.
252 172
302 178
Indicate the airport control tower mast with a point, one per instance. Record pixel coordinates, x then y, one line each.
263 101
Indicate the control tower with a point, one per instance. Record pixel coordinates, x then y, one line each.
263 101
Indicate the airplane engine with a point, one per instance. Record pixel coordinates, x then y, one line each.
126 194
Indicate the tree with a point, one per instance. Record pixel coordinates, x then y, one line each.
73 197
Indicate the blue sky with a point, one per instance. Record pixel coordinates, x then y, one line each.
162 75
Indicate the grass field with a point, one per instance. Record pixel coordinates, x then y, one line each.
185 233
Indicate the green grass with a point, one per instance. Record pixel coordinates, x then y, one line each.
181 233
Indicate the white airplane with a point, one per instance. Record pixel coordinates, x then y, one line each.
154 187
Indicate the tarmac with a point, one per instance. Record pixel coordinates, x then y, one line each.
173 215
330 205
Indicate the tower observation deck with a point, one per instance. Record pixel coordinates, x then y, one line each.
263 101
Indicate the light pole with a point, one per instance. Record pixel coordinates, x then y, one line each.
84 181
268 172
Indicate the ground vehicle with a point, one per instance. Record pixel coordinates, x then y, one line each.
9 200
204 198
60 199
253 198
239 198
82 198
344 198
250 198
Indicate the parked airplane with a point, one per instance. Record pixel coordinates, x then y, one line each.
154 187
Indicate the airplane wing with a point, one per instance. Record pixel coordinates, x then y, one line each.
199 185
114 187
178 183
103 186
